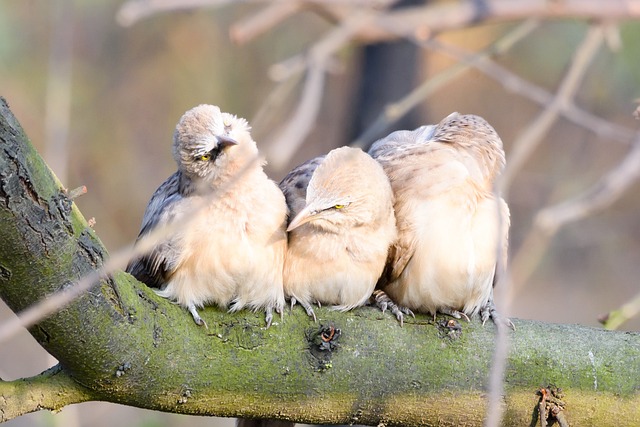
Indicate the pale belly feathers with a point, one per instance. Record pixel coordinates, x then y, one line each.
332 270
454 260
236 261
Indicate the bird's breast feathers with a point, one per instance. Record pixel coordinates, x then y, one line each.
232 244
455 253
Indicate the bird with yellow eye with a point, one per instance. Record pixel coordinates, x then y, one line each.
341 226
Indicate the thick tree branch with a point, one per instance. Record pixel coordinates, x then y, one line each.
121 343
53 389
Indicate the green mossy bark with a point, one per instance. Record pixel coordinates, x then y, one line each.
121 343
52 390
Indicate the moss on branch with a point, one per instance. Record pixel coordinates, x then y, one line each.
53 389
121 343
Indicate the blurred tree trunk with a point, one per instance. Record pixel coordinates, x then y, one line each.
121 343
388 71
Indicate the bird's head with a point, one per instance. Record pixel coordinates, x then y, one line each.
348 189
475 135
209 144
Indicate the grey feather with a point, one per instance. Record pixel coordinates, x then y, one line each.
156 267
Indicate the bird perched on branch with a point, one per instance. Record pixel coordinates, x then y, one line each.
341 227
229 240
452 227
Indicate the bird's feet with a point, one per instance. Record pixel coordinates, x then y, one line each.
269 313
454 313
489 310
384 302
196 317
307 307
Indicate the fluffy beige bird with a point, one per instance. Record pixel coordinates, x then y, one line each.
450 222
230 251
341 228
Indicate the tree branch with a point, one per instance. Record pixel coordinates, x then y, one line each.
440 16
119 342
52 390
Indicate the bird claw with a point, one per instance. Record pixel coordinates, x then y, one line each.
196 317
307 307
455 313
269 316
407 311
384 302
489 311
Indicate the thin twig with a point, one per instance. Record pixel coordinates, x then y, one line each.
270 16
118 261
602 194
394 111
445 16
617 317
273 103
494 412
134 11
518 85
528 141
291 136
436 17
549 220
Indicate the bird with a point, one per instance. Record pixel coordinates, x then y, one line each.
452 226
230 219
342 225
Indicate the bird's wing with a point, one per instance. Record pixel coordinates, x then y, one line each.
294 185
156 266
419 166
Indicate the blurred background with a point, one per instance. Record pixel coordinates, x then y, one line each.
100 100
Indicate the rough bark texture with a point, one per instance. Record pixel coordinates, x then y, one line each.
121 343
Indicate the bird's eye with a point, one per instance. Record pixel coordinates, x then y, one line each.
205 157
339 206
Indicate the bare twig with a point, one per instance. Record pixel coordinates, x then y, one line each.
615 318
395 111
444 16
549 220
440 16
602 194
531 137
291 136
518 85
134 11
117 261
272 103
271 15
495 409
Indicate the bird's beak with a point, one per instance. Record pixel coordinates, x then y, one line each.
305 215
226 141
